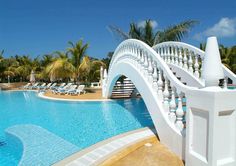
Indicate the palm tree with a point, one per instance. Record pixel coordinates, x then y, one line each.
46 60
148 34
77 52
89 69
61 68
228 57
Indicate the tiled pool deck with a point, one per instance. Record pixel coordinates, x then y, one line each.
101 151
40 147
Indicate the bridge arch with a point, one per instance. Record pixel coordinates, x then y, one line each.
163 126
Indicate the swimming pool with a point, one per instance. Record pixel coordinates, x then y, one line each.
80 123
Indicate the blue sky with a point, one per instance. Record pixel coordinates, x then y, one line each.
39 27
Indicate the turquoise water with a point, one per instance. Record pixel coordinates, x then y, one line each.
80 123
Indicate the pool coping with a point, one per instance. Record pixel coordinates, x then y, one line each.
101 151
20 90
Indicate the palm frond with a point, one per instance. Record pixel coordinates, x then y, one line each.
118 33
175 32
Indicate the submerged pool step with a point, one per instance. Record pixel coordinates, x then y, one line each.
40 147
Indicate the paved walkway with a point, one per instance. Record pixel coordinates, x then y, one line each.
150 153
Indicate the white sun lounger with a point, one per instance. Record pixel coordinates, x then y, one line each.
34 86
53 86
67 89
79 90
43 85
26 86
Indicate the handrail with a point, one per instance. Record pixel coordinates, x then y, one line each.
143 47
163 47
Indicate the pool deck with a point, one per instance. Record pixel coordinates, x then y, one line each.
138 147
92 94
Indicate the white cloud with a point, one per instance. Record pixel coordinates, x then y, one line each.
226 27
153 23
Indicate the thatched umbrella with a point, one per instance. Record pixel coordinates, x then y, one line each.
32 77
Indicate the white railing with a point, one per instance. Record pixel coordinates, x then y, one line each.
167 95
187 57
158 74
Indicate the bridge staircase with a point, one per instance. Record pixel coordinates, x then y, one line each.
123 89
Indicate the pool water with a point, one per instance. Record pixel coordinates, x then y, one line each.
80 123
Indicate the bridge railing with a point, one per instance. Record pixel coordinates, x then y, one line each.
169 90
187 57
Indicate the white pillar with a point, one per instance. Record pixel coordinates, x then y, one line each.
212 66
211 127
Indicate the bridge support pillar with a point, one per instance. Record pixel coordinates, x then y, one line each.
211 127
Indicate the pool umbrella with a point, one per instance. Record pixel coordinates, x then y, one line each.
101 74
32 77
52 78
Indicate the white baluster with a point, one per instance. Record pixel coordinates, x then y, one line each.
180 64
185 60
166 95
154 75
138 57
157 50
172 115
225 85
146 65
163 54
201 69
160 84
160 52
179 114
176 56
142 62
168 54
190 63
150 70
196 67
172 55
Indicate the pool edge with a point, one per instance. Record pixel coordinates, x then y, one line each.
84 154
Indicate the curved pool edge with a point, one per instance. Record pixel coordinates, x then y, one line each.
103 150
41 95
46 146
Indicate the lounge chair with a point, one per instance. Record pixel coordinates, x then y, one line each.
52 86
71 90
67 89
48 86
61 87
34 85
79 90
55 88
26 86
43 85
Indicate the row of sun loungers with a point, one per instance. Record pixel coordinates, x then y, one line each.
61 89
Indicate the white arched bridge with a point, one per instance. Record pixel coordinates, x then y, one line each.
179 84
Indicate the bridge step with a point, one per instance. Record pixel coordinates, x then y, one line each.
123 90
